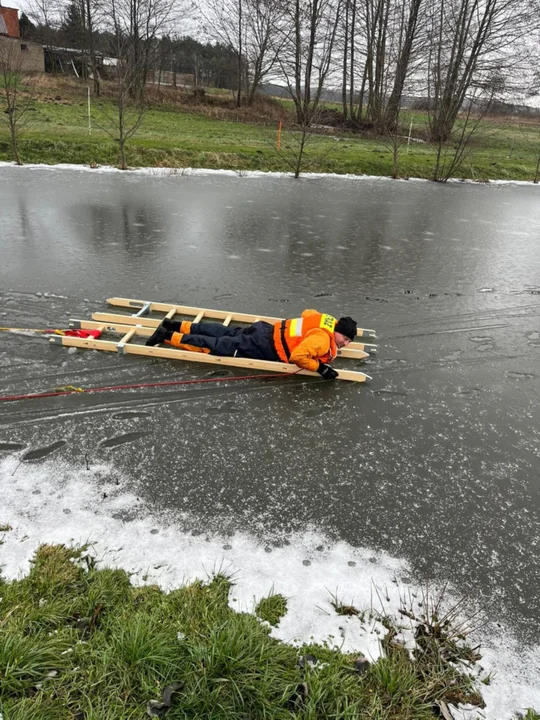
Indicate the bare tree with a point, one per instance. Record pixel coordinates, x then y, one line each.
450 156
226 22
393 138
409 13
122 124
346 42
302 147
377 27
263 45
346 32
469 41
91 10
140 23
47 15
78 27
389 51
248 27
308 37
16 99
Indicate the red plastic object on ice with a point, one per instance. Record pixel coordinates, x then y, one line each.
83 333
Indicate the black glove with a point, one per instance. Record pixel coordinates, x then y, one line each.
327 371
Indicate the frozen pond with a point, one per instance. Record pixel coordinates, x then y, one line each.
435 461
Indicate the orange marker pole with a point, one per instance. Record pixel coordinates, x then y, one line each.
279 135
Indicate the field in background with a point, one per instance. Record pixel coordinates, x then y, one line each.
180 129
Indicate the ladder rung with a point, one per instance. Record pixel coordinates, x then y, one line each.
127 337
227 320
199 317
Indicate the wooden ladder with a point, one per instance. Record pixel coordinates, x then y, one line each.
138 324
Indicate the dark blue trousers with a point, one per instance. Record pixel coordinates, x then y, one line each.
255 341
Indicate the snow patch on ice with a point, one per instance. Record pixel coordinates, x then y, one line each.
55 502
171 172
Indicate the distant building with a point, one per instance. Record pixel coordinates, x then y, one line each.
21 55
9 22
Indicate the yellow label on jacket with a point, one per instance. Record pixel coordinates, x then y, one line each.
328 323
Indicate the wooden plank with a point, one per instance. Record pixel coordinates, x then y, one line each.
356 351
209 314
109 345
176 354
128 335
141 330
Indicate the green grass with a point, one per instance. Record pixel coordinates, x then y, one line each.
175 134
272 608
80 642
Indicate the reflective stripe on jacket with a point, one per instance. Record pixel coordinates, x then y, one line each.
306 340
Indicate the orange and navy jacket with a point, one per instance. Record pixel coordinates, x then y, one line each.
306 340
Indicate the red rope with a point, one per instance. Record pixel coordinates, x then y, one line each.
32 396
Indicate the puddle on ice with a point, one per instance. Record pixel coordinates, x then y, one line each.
77 506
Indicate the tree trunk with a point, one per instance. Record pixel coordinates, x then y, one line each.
402 67
436 169
352 59
239 93
454 80
13 133
300 155
121 130
395 158
360 109
257 74
377 76
345 62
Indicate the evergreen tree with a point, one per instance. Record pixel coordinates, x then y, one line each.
26 26
72 27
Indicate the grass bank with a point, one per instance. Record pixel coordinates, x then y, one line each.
82 643
181 130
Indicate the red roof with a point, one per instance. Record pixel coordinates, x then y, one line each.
9 22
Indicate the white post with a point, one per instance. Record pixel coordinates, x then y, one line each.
89 114
409 138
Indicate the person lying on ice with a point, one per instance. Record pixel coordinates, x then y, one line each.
310 341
